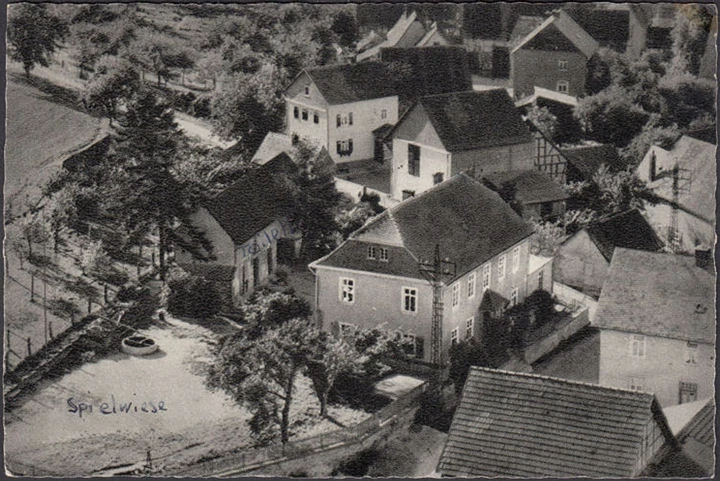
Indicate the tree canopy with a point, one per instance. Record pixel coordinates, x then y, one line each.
34 34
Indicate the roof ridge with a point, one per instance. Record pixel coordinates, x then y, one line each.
563 381
442 185
448 94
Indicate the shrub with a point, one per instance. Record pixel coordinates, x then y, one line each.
541 303
193 296
462 356
63 308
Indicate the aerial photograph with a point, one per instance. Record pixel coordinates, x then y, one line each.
360 240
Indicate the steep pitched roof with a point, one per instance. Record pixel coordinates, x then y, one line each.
531 186
341 84
253 202
523 425
471 120
627 229
588 158
609 27
697 161
469 222
568 27
407 32
431 32
656 294
434 70
273 144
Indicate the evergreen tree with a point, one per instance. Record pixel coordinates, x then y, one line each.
33 34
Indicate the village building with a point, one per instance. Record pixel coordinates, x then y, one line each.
528 426
408 31
692 424
273 144
374 278
656 317
442 135
533 194
246 225
684 178
649 27
338 107
553 56
582 261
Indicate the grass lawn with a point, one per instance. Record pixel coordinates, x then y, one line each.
41 131
197 423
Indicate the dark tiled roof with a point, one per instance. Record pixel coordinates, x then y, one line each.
211 272
472 120
435 70
352 255
656 294
524 25
588 158
531 186
341 84
627 229
609 27
253 202
470 222
559 24
523 425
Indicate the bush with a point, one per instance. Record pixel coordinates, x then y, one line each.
63 308
194 297
541 303
462 356
128 293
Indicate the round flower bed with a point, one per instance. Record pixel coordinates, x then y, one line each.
138 345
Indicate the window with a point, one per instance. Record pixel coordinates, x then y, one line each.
636 384
414 160
514 297
304 114
371 252
437 178
307 91
469 324
455 295
296 112
347 290
339 146
316 118
501 267
563 86
688 392
349 147
409 299
344 147
406 194
383 114
516 259
383 254
541 280
338 120
471 285
563 65
486 276
350 118
454 336
637 346
691 353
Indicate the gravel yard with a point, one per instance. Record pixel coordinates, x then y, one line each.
190 421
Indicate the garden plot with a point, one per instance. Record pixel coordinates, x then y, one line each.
180 422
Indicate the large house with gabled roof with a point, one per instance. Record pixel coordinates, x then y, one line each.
374 279
553 56
339 106
442 135
656 317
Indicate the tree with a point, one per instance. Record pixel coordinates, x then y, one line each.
689 36
261 373
547 237
652 134
611 116
269 310
94 259
33 230
544 120
463 355
62 213
331 358
114 84
34 34
146 193
346 28
193 296
315 199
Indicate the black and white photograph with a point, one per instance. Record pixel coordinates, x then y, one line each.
319 240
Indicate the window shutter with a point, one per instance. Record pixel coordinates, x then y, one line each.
339 120
350 118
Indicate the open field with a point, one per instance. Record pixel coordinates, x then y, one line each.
41 131
196 422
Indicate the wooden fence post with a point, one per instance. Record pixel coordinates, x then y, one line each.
50 329
32 287
29 346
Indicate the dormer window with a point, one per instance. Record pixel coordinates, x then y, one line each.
307 91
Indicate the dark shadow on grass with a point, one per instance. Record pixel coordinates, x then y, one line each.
53 93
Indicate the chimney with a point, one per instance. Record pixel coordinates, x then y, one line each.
703 258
